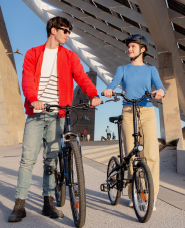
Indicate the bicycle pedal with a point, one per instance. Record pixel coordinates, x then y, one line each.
105 187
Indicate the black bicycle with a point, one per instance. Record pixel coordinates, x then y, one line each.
70 168
142 182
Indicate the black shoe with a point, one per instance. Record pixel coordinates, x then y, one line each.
18 212
49 209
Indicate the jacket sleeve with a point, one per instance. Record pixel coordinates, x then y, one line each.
81 78
28 81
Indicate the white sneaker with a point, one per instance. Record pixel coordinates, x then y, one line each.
130 204
154 207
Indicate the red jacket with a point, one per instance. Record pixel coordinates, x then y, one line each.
68 68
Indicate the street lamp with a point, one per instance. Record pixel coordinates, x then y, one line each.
16 51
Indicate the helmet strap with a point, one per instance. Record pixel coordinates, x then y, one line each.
134 58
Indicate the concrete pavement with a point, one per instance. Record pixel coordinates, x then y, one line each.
170 205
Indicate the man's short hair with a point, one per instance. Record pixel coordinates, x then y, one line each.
57 22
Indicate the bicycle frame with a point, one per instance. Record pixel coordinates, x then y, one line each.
65 145
125 161
68 131
135 135
65 152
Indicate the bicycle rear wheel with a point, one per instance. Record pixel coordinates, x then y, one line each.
113 193
77 185
143 192
60 189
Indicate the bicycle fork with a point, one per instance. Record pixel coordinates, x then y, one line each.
65 153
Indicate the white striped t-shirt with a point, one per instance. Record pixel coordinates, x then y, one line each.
48 85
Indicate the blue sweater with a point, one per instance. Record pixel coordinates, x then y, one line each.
135 81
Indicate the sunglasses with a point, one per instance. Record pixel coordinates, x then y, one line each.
65 30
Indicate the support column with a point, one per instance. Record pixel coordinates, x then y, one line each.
170 124
169 112
86 118
12 117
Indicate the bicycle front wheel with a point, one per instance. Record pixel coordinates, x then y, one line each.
143 192
60 189
113 193
77 185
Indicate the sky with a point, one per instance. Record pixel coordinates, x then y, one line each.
26 30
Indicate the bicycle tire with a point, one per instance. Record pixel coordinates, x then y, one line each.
77 185
114 194
60 189
143 192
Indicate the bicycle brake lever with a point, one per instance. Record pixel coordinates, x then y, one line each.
115 99
154 100
109 100
149 99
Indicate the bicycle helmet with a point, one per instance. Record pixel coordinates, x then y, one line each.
138 39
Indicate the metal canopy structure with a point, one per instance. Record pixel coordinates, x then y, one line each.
100 26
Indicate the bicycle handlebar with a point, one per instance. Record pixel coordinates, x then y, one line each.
48 107
147 94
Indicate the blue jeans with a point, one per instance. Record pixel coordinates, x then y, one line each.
40 127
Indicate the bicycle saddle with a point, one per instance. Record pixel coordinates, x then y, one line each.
118 118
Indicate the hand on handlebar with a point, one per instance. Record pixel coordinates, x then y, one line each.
147 94
108 92
38 105
96 101
159 94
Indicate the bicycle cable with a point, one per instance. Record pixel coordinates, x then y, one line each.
76 118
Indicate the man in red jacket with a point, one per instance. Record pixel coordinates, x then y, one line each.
48 73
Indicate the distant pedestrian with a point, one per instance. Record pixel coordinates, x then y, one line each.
113 136
84 133
79 134
88 137
108 133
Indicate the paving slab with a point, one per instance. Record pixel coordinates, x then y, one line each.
99 211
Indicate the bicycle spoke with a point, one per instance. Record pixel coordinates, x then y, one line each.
60 189
143 194
113 193
77 186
